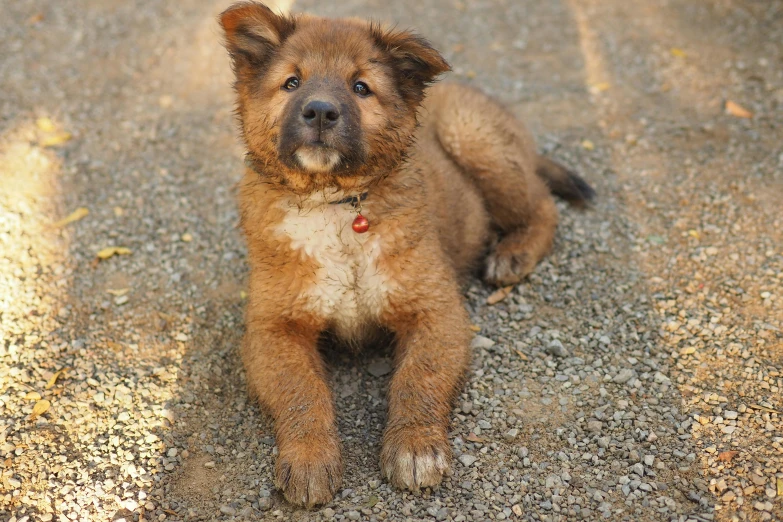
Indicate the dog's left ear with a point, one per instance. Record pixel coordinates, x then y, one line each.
413 57
254 32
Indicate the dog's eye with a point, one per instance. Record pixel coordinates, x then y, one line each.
361 89
291 84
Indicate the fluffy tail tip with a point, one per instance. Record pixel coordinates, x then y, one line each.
565 183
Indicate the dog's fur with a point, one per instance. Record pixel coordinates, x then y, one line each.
447 177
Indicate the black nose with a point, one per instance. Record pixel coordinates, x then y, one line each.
320 114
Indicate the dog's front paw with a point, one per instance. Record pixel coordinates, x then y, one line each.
309 473
505 266
415 457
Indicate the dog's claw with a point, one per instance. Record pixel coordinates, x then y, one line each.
410 460
308 476
507 268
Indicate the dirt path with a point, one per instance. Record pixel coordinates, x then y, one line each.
635 376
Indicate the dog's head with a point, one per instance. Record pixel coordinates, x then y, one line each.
322 102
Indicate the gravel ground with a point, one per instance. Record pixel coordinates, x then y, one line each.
636 376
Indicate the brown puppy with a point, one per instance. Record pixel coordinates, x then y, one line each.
331 113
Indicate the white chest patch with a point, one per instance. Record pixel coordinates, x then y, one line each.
349 288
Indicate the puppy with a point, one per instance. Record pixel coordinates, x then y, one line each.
364 204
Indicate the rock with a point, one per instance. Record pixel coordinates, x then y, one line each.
353 515
481 342
511 434
661 378
556 348
763 506
264 503
623 376
467 460
379 367
228 510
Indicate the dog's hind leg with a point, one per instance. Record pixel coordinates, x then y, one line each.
496 152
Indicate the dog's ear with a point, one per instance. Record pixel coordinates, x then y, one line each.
253 32
413 57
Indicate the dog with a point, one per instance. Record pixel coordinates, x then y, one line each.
369 195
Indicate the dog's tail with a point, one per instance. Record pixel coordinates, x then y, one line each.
563 182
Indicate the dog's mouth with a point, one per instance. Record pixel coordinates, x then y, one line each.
317 157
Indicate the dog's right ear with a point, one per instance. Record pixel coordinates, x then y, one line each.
253 31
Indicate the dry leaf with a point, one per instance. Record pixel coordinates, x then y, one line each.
737 110
45 124
57 139
53 378
242 294
726 456
166 101
521 355
679 53
763 408
587 144
475 328
40 408
118 211
33 396
37 17
187 238
76 215
500 294
472 437
599 87
780 487
108 252
118 291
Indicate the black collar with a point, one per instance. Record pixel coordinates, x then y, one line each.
351 199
